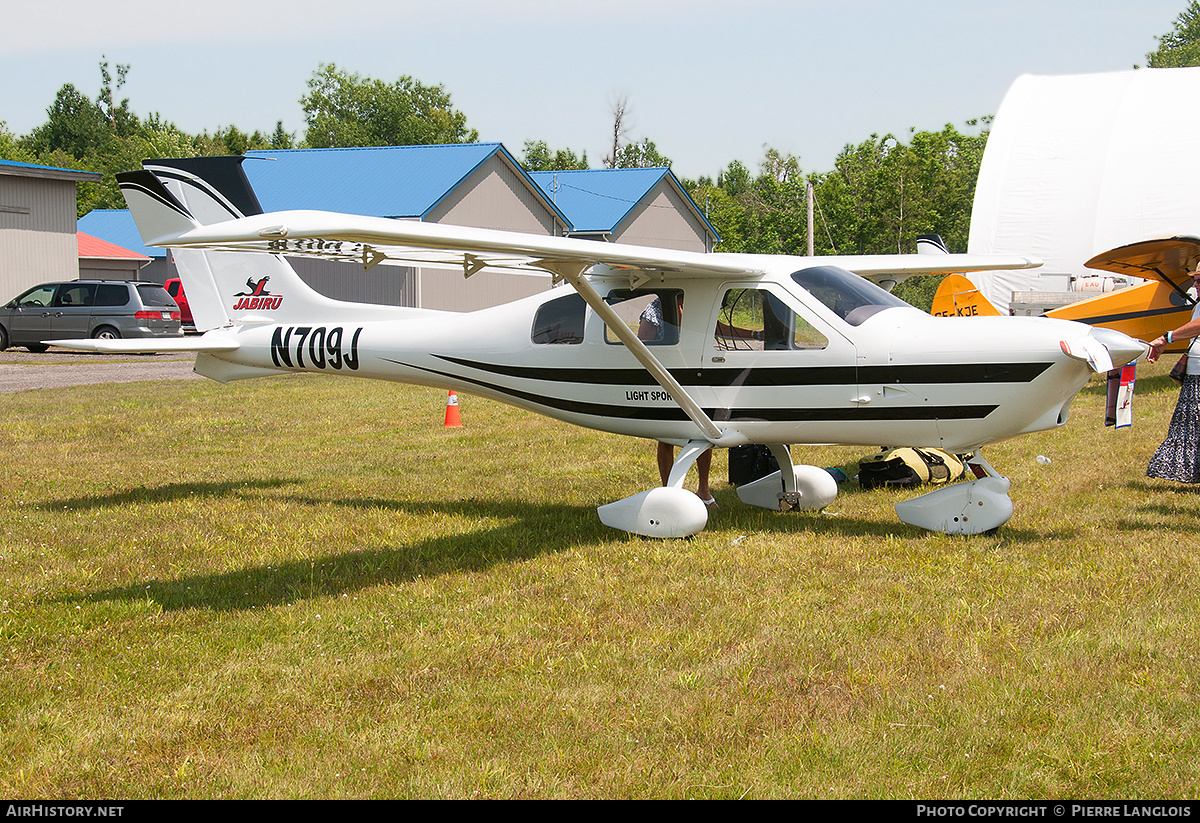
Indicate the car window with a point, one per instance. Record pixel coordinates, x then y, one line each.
155 296
41 296
112 294
173 288
75 294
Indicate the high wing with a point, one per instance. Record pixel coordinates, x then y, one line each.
1168 259
373 240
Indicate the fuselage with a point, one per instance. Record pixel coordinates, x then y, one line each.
791 361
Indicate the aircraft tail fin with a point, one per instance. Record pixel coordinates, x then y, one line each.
167 197
932 244
957 296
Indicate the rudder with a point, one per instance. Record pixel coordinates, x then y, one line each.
170 196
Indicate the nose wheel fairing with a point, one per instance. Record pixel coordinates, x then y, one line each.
974 507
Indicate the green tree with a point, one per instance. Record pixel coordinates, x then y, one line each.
763 214
641 155
281 139
345 110
74 126
121 120
232 140
882 195
80 127
1181 46
11 148
538 157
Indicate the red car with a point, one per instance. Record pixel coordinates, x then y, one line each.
174 288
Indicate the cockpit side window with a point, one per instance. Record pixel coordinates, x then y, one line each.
757 320
847 295
654 315
560 321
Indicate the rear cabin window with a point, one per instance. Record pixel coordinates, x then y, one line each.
560 321
155 297
653 315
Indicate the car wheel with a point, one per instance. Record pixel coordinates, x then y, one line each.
36 348
3 338
106 333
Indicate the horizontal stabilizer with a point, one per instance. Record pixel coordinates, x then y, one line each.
151 345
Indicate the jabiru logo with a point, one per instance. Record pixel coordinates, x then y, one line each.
256 297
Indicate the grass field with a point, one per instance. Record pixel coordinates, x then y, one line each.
302 587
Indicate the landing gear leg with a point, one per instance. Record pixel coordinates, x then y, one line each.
792 488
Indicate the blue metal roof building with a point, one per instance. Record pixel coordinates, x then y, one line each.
606 203
472 184
383 181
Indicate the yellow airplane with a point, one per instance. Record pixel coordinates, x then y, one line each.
957 296
1143 312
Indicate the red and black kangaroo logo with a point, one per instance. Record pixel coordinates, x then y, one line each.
258 289
256 297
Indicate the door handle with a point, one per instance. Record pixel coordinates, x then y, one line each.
862 399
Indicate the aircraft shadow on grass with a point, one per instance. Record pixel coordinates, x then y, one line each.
510 530
163 494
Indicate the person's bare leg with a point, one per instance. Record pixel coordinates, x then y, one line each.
703 464
666 459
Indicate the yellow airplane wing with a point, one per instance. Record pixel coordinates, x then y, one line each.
1167 259
1148 310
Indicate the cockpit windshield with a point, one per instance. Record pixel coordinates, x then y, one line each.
847 295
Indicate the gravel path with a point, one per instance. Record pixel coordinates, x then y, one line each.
24 371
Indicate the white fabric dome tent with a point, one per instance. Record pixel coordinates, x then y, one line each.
1079 164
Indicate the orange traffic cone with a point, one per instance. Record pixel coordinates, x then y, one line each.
453 419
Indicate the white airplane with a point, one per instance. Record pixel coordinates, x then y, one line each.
771 349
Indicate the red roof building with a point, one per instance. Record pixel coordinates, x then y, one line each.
101 260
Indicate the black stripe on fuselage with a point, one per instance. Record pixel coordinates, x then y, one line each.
724 415
778 376
1131 315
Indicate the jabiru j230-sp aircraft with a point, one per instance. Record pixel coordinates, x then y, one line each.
776 350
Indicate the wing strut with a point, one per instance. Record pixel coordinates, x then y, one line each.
572 272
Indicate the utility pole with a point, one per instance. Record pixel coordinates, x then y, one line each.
811 195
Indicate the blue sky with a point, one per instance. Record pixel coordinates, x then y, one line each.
709 81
